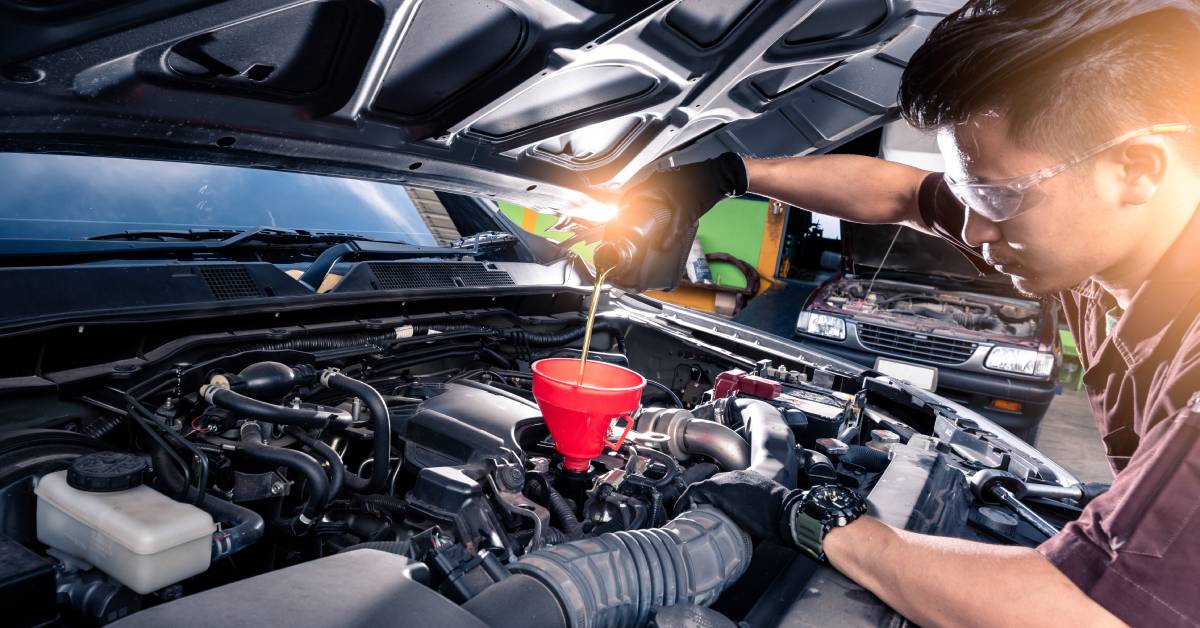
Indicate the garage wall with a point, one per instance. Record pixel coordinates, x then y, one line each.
734 226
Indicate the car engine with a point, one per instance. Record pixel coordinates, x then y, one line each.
242 464
1010 317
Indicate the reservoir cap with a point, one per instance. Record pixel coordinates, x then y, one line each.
107 472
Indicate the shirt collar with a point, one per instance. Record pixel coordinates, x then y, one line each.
1169 289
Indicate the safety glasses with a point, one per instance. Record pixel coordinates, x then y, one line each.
1004 200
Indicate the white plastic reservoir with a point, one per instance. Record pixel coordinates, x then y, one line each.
139 536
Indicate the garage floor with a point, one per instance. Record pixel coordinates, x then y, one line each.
1069 437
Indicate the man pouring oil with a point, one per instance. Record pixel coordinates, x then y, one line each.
1073 166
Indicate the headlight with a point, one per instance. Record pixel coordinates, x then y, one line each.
822 325
1024 361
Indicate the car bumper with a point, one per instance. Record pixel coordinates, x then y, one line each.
972 389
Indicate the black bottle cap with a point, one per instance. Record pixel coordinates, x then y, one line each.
107 471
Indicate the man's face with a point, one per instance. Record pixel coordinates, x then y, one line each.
1077 227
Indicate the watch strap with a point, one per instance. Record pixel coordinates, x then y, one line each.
807 535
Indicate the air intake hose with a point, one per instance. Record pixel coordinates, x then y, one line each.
688 436
617 579
771 450
772 445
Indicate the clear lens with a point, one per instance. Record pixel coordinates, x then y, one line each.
994 202
821 325
1024 361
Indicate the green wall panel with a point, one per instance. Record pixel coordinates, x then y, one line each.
734 226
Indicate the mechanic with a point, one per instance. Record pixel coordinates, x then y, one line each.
1072 166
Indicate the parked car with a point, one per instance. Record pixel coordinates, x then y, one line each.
912 306
269 344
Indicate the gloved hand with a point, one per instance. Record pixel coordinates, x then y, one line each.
755 503
688 191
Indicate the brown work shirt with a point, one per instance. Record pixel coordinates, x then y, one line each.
1135 549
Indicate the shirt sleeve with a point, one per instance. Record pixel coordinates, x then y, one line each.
1136 549
945 216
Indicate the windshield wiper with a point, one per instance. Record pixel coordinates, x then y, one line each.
152 243
230 237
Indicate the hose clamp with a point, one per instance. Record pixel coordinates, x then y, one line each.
328 373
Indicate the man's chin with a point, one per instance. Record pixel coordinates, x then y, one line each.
1034 288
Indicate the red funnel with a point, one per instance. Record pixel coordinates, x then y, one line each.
579 415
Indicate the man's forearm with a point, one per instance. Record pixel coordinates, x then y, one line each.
938 581
851 187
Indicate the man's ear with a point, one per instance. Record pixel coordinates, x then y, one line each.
1143 165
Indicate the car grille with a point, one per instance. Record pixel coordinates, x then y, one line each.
908 344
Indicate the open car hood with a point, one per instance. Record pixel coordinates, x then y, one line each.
552 104
902 249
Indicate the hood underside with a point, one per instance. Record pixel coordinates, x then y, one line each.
902 249
552 104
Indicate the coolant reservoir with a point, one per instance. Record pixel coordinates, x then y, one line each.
104 515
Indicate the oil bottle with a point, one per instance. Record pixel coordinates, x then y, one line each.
637 253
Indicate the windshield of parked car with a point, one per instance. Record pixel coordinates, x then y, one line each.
72 196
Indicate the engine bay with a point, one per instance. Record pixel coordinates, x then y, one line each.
241 461
942 309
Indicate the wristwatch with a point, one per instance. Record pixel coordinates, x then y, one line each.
810 515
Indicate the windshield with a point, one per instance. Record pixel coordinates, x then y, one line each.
70 196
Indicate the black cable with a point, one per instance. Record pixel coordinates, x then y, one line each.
148 422
670 393
170 452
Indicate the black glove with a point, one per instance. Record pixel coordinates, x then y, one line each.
755 503
688 191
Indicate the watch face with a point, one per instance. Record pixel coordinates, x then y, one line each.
832 497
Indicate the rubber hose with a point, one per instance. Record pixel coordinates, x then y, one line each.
691 559
400 548
318 485
550 536
559 507
772 445
246 527
718 442
169 477
244 406
870 459
385 503
381 426
103 426
337 470
671 465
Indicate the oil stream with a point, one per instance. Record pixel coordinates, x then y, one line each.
591 320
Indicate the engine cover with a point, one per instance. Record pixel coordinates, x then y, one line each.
466 425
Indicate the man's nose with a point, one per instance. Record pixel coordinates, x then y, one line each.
978 230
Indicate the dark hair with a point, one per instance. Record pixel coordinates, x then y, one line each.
1064 73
